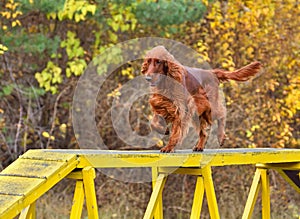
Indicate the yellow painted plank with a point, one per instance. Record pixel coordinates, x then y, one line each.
181 170
32 168
26 190
7 200
183 158
18 186
52 155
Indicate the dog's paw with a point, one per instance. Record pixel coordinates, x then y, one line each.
196 149
223 140
167 149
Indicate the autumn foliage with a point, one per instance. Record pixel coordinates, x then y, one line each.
45 47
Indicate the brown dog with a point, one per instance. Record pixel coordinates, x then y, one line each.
183 95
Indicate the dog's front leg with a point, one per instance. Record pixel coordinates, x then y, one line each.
175 138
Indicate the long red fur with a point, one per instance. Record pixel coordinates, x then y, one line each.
203 100
242 74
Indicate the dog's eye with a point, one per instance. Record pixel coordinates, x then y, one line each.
158 62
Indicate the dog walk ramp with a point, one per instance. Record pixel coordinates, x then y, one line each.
29 177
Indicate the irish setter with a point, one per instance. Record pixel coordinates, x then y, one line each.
182 95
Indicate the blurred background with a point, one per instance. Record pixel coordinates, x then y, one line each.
46 45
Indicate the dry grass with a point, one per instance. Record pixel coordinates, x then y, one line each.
118 199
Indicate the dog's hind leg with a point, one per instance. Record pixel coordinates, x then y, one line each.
221 131
201 129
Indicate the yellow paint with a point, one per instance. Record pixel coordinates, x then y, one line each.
35 172
198 198
252 197
265 196
26 179
89 175
29 212
158 213
77 200
157 191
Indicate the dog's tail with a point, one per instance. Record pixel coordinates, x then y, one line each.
242 74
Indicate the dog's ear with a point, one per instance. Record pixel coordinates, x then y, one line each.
175 71
165 67
145 66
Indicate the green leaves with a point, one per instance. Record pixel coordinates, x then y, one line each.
168 14
35 43
6 90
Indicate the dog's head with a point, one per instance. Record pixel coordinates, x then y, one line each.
158 64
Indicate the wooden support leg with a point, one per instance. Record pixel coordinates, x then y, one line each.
210 193
260 180
198 198
158 213
265 193
156 193
77 200
252 195
29 212
89 175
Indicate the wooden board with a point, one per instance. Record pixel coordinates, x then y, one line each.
29 177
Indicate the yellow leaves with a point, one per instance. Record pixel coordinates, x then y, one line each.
50 77
122 19
47 135
202 49
159 142
205 2
272 84
293 97
11 5
15 23
252 145
3 49
63 128
115 93
128 72
6 14
249 52
227 63
77 9
51 15
10 13
276 117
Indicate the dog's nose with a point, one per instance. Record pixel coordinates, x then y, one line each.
148 78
